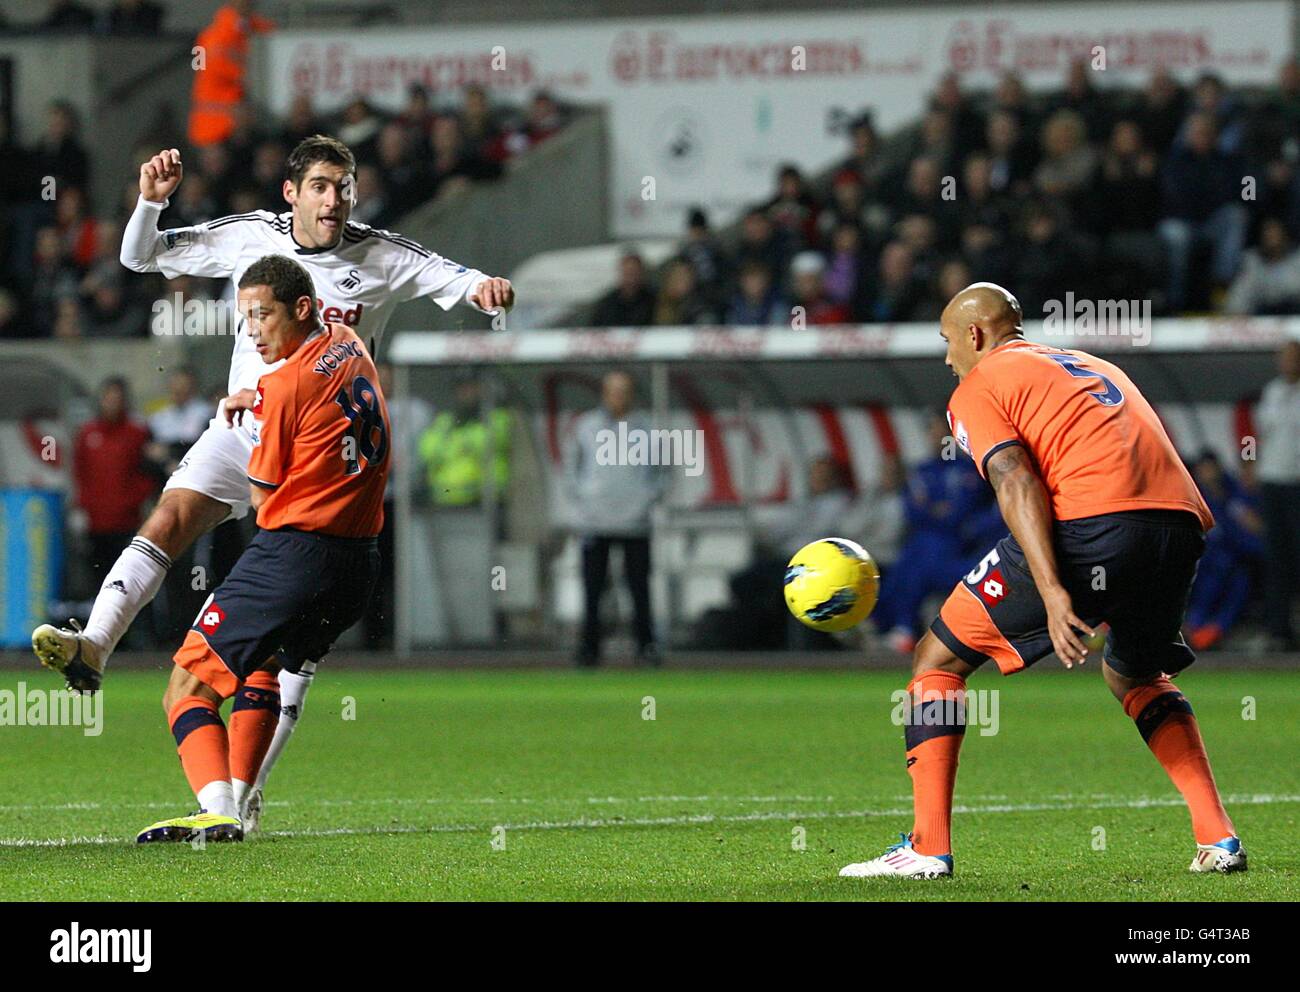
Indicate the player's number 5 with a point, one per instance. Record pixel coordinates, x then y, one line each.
1113 396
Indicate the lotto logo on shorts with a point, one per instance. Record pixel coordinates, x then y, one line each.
210 619
993 588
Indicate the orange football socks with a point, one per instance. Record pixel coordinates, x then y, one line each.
1165 720
934 732
204 751
253 718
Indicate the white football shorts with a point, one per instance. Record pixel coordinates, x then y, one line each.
217 465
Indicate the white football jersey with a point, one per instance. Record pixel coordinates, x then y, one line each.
358 282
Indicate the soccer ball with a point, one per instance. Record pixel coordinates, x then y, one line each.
831 584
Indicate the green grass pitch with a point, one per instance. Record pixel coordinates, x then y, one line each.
554 785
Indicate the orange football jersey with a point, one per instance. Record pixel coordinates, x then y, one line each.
321 439
1097 442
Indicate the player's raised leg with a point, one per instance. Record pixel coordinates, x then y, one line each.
179 519
1165 720
934 733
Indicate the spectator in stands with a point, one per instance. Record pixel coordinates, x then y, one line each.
1162 109
865 159
109 475
1054 259
192 203
1211 97
1277 195
847 205
896 293
68 322
611 499
454 164
846 265
54 278
1082 99
109 309
416 118
372 198
484 137
1275 133
808 292
1011 157
757 302
179 422
1127 209
407 182
458 444
706 256
1010 97
1278 474
268 174
1201 187
302 121
924 194
980 203
1066 170
946 502
1269 280
68 15
761 241
135 17
219 79
679 301
794 209
966 125
59 151
214 163
545 119
1225 575
359 128
632 302
78 231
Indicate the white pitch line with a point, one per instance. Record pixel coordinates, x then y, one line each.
584 823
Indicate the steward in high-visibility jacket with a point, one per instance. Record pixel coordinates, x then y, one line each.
453 449
219 77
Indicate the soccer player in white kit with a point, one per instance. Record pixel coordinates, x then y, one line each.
360 274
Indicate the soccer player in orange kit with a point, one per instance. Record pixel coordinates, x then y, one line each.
1090 486
317 475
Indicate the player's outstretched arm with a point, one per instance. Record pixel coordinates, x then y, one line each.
1027 511
159 177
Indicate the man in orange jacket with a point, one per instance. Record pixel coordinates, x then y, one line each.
219 80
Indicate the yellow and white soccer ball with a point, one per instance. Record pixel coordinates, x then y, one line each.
831 584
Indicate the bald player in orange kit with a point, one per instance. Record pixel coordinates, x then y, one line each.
1106 526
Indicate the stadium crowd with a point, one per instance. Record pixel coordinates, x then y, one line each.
62 277
1188 196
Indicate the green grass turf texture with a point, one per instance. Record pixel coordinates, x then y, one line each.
705 801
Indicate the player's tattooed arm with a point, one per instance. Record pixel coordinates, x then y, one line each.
1027 510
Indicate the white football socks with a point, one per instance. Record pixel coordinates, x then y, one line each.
218 798
293 695
132 582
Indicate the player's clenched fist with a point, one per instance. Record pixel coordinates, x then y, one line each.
493 294
160 176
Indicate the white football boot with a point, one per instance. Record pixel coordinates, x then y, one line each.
1227 855
900 861
250 812
69 652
